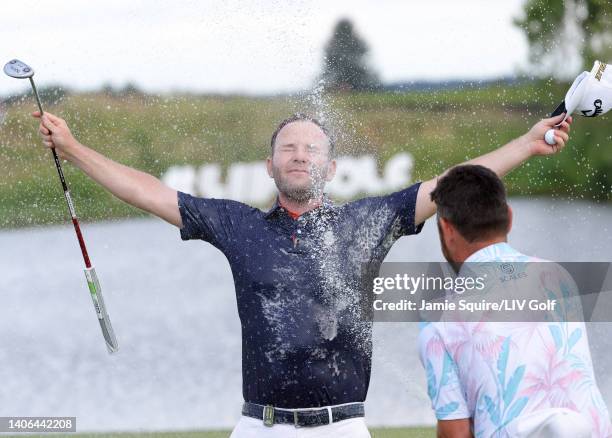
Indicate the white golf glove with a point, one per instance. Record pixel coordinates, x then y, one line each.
591 93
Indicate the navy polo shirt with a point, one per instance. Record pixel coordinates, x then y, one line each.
302 288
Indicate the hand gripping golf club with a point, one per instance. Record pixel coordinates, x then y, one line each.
20 70
590 95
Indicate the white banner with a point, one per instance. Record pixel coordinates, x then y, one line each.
250 183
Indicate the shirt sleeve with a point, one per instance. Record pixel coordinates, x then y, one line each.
394 213
443 384
212 220
402 205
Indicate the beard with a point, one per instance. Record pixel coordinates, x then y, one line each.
445 252
301 192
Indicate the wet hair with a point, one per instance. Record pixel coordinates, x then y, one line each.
473 199
300 117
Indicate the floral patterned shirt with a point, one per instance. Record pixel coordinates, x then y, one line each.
494 372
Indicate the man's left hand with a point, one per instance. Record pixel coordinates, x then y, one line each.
534 139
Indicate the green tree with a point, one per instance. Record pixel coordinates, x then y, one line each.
555 28
345 62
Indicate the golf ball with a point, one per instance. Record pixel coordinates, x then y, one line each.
549 137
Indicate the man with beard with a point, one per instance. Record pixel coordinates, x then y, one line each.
301 270
490 377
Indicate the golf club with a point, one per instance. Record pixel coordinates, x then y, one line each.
20 70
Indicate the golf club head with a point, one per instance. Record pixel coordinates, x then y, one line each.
17 69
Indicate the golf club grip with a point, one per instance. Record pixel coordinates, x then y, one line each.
100 308
559 110
60 172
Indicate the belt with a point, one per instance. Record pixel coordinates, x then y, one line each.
303 417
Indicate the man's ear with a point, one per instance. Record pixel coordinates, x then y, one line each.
447 227
510 218
269 167
331 170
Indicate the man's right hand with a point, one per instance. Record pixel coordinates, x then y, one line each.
137 188
56 134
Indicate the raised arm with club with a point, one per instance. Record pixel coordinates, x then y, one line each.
20 70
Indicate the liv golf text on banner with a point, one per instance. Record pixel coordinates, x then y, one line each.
250 183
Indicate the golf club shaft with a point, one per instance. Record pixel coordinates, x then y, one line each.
60 172
90 273
36 95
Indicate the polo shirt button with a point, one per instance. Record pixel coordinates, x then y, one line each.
299 231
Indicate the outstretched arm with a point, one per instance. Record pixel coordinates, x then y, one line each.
137 188
504 159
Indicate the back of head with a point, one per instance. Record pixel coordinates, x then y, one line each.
473 199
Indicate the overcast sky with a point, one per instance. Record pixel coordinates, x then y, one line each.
257 47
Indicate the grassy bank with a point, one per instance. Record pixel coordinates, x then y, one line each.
153 133
416 432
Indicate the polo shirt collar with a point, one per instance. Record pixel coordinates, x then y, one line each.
491 253
325 205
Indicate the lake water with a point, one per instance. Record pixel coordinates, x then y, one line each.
173 308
